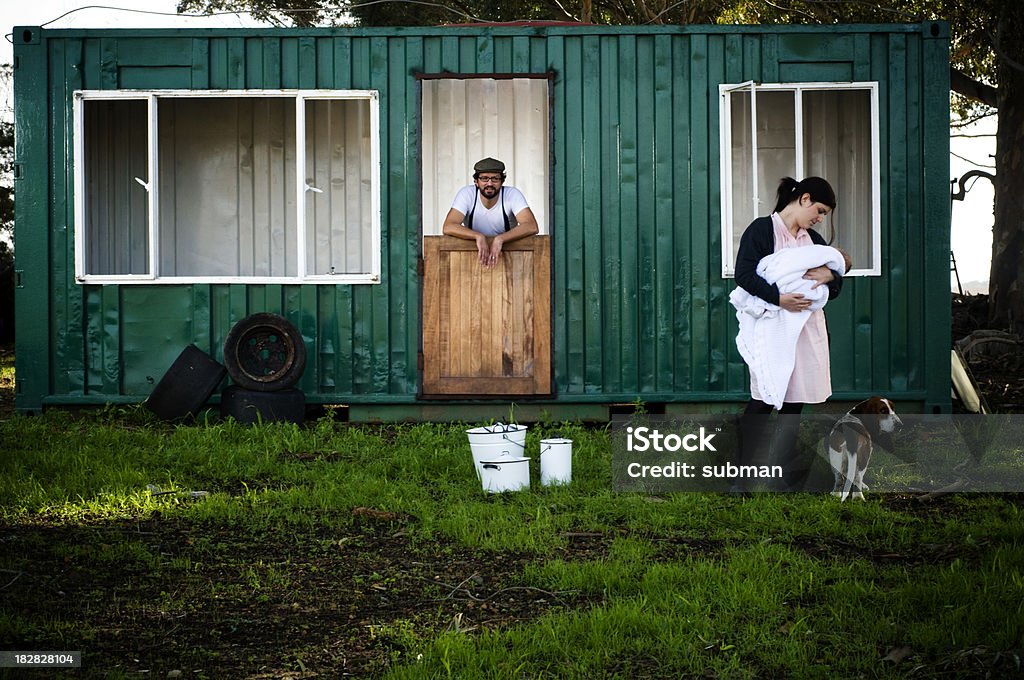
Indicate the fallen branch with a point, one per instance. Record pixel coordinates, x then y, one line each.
536 590
17 575
958 485
469 595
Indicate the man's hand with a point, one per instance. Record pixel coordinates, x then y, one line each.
483 249
820 275
490 252
495 252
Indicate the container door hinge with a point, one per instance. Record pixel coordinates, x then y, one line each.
420 267
19 281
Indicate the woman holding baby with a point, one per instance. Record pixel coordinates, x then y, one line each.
799 207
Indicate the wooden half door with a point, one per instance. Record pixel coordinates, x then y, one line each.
486 331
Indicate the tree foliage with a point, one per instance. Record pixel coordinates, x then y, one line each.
278 12
7 175
435 12
6 159
6 213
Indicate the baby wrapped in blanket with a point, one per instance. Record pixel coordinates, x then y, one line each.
768 334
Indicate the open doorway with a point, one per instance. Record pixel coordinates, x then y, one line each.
486 331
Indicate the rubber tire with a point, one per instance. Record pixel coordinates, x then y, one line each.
250 406
286 351
186 386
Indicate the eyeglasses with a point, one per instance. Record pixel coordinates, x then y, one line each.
490 180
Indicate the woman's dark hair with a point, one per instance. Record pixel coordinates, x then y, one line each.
819 189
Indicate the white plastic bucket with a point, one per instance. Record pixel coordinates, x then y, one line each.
555 461
505 474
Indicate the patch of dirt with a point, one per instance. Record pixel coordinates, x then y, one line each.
158 596
162 597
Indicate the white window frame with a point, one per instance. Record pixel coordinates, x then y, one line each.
725 151
151 184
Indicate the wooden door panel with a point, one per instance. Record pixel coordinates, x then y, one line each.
486 331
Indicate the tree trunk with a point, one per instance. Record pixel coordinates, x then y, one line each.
1006 288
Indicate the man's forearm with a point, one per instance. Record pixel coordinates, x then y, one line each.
518 232
459 231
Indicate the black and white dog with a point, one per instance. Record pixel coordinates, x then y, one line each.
852 440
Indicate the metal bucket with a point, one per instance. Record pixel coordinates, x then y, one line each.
498 432
496 451
555 461
505 473
493 441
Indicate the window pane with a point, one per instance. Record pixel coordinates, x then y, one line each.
742 159
776 154
116 218
776 145
339 167
227 186
837 146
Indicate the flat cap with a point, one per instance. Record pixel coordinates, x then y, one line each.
489 165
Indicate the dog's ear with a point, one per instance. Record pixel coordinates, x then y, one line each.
877 405
872 419
866 406
873 406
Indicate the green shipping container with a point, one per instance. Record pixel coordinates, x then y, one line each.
171 182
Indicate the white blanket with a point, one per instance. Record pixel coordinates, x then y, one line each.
768 334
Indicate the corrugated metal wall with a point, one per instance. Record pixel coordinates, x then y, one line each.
639 306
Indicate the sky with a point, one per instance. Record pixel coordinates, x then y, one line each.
971 229
971 235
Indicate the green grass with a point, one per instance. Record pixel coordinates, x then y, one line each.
681 585
6 381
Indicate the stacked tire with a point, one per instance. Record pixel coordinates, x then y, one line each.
265 357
